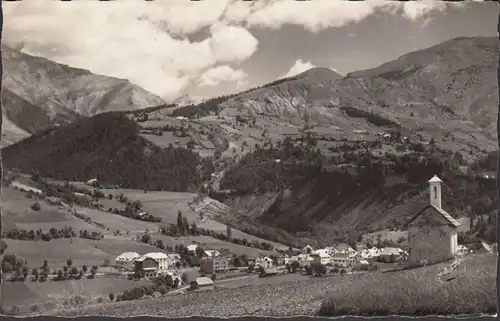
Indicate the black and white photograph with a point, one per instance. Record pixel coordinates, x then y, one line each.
229 158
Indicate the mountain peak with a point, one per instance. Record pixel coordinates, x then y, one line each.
319 74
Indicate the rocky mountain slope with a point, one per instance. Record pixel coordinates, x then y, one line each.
38 92
447 90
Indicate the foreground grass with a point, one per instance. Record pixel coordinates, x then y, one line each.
420 292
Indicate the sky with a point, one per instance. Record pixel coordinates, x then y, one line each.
215 47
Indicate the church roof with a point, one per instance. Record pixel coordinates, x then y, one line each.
435 179
440 211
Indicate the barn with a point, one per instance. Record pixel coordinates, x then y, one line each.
432 232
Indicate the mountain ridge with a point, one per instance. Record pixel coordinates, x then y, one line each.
61 93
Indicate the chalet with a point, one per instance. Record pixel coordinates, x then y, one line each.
343 248
146 266
211 253
282 259
192 248
160 258
202 283
265 262
321 256
432 232
92 182
210 265
307 249
342 260
173 258
126 260
390 254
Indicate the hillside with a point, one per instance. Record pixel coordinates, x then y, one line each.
49 92
107 146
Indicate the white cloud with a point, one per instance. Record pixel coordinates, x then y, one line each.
321 14
298 67
214 76
125 40
145 41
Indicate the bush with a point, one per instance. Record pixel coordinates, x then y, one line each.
36 206
112 296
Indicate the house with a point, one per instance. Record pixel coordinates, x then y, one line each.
210 265
390 254
126 260
192 248
432 232
321 256
146 266
343 248
307 249
211 253
366 256
374 252
342 260
202 283
462 249
160 258
173 257
92 182
282 259
265 262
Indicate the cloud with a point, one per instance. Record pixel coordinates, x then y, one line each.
216 75
321 14
146 42
298 67
127 40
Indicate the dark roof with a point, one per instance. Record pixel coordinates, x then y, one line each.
442 212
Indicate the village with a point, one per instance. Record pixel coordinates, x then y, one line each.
429 238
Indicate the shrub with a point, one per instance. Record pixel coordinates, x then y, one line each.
36 206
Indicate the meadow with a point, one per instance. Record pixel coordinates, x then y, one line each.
471 289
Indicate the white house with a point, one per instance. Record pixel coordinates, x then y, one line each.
161 258
211 253
343 248
126 259
192 248
432 232
321 256
390 254
307 249
342 259
265 262
92 182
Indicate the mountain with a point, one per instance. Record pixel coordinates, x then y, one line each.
185 100
448 89
38 92
315 155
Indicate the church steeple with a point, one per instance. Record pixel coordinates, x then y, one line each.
435 191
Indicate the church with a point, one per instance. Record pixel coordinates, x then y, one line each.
432 232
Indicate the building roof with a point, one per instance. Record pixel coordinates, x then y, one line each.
204 281
435 179
390 251
128 256
156 255
442 212
192 247
343 247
